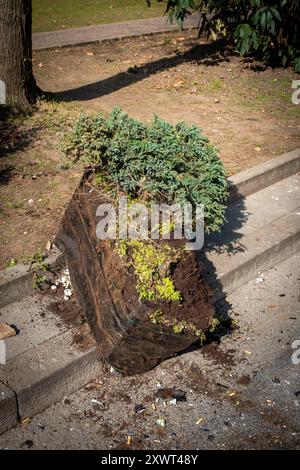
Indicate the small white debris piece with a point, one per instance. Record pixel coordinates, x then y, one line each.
97 402
30 201
161 422
65 281
173 401
259 279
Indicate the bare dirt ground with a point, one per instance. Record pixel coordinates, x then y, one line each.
245 110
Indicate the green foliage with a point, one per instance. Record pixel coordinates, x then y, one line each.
38 267
267 29
12 262
161 162
214 325
147 258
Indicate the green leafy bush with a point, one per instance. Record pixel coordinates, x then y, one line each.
161 162
267 29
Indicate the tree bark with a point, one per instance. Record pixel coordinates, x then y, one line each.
16 52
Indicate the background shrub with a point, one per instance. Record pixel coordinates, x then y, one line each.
266 29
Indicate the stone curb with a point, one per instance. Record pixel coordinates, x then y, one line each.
17 282
35 380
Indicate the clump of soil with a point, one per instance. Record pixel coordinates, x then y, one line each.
82 338
195 306
214 352
72 316
68 311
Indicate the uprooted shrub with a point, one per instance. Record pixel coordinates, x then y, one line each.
161 162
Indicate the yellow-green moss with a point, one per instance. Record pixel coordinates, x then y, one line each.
178 326
147 259
214 325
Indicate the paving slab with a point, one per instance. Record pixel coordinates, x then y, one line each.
107 32
261 230
34 321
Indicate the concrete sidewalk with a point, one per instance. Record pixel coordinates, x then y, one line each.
107 32
245 396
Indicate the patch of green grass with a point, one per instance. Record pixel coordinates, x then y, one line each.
215 85
59 14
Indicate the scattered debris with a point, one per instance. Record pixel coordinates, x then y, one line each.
6 331
97 402
161 422
25 421
28 444
276 380
65 281
244 380
139 408
93 386
259 279
129 440
199 421
171 393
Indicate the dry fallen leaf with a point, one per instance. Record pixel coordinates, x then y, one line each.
25 420
6 331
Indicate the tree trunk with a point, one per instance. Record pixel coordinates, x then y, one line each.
16 52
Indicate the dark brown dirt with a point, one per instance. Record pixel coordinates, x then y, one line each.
215 353
195 307
68 311
244 380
